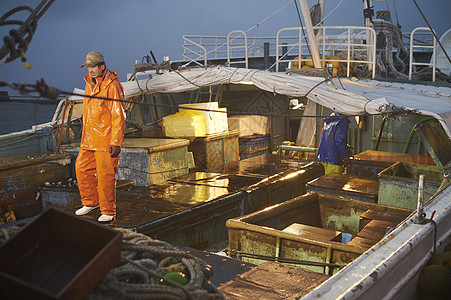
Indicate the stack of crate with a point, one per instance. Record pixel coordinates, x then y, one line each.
254 134
254 145
196 120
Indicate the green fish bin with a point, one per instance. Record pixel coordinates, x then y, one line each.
398 184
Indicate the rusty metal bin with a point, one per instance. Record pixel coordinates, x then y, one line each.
308 231
398 184
215 150
21 175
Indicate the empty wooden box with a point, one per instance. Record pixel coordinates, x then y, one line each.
57 256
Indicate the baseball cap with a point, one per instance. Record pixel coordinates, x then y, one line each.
92 59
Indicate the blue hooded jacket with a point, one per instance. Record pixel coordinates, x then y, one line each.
332 146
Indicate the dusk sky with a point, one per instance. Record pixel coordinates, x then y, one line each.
125 31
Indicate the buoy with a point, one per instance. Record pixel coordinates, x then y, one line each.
177 277
333 60
296 62
309 62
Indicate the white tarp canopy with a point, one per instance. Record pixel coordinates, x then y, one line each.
280 83
357 98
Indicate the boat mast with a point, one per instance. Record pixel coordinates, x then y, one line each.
368 12
321 3
311 35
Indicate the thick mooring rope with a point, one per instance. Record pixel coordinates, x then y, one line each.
140 273
144 262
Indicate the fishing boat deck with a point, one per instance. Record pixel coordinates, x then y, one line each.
191 210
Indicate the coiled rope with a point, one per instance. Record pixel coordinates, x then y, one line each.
140 272
391 37
144 262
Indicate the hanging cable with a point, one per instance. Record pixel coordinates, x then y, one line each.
321 22
302 26
433 32
41 87
16 43
396 14
256 25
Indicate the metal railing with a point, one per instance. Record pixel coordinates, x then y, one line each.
198 49
426 47
237 47
352 44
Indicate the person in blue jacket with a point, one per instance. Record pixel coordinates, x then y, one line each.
333 151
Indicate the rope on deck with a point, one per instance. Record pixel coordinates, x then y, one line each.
144 262
140 272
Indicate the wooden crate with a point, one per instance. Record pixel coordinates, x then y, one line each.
215 150
57 256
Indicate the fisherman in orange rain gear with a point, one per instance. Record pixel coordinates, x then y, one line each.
101 141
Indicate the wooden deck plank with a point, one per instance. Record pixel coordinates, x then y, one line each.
285 282
308 231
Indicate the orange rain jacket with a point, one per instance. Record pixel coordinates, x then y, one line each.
103 120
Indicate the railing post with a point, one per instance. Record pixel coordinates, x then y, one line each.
434 45
265 56
230 48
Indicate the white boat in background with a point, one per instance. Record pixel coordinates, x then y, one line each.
443 63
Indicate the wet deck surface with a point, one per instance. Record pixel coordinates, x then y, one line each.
394 157
139 206
347 185
259 166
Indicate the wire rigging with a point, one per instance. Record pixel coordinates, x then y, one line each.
433 32
396 14
16 43
298 43
52 93
256 25
302 26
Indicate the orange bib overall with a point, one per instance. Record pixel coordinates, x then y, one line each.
103 125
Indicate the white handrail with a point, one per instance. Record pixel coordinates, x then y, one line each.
412 46
202 48
327 44
230 48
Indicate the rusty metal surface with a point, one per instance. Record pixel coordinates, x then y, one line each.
224 267
262 165
349 186
231 182
191 210
366 168
21 176
393 157
285 282
25 160
437 142
398 184
260 234
215 150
